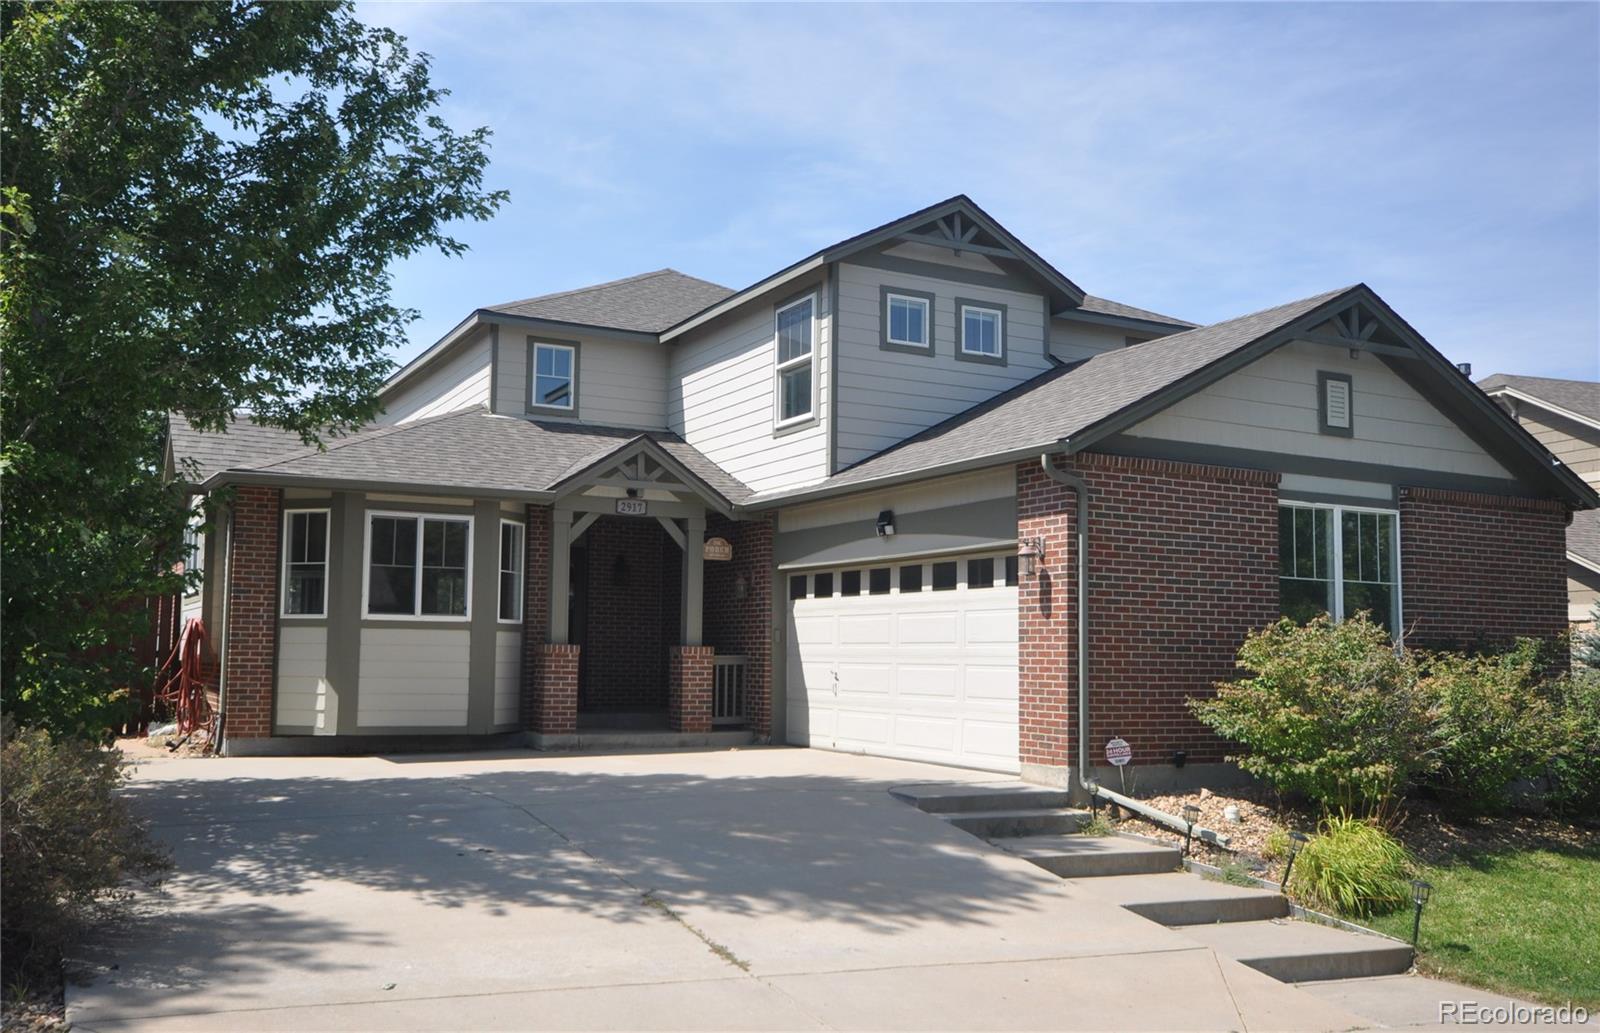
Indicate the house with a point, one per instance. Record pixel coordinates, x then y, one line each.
1565 416
841 508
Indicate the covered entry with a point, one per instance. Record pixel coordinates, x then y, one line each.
914 659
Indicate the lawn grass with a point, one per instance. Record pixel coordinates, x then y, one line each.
1525 922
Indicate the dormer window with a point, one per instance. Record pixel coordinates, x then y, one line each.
796 332
553 377
907 321
982 327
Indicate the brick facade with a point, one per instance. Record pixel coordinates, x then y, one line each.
631 571
252 642
742 626
1183 562
1480 569
535 608
689 675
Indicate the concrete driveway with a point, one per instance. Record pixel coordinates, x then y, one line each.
751 889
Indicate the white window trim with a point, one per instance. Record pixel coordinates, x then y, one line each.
999 331
195 526
572 379
926 344
1337 558
780 368
522 575
327 563
416 613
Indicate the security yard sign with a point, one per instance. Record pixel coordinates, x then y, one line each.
1118 752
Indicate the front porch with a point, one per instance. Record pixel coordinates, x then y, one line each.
637 634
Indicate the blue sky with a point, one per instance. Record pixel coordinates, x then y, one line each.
1203 160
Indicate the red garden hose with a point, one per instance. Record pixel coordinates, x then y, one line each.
182 681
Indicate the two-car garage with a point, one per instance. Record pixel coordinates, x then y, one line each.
914 659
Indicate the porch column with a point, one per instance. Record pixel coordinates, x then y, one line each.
694 566
560 575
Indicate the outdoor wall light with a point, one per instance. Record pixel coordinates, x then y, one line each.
1191 816
1028 552
1420 892
886 524
741 587
1297 839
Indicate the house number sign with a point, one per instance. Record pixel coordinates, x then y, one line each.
632 507
718 549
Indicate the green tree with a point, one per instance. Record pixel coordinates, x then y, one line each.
200 206
1586 644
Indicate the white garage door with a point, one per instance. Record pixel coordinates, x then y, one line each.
915 660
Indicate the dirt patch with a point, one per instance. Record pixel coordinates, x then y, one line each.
32 1011
160 747
1429 833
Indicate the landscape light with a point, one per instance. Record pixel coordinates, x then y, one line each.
1420 892
1297 840
1191 815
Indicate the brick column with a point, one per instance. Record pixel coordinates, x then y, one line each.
689 674
252 633
1047 641
738 609
555 706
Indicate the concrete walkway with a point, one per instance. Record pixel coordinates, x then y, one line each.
750 889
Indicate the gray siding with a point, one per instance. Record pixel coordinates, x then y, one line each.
414 677
1071 341
720 397
303 700
1272 406
461 382
507 675
1569 441
887 396
620 383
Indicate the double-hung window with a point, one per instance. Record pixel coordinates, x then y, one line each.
194 549
796 334
511 568
907 321
417 566
554 376
983 332
305 563
1339 560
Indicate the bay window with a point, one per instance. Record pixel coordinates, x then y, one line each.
417 565
305 563
511 567
1339 560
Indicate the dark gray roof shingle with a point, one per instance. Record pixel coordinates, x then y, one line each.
473 450
1106 307
1575 396
245 442
1062 402
647 303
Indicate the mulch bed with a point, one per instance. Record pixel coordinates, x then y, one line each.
35 1012
1429 833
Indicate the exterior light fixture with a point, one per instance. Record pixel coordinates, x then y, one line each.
1420 892
1191 815
1028 551
741 587
1297 840
886 524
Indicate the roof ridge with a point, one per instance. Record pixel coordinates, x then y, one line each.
664 270
1167 340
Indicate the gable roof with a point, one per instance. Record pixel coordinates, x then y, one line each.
647 303
1069 293
1106 307
1580 398
1074 406
469 451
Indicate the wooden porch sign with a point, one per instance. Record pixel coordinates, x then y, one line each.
718 549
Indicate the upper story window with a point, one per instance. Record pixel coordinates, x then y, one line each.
1339 561
907 320
983 332
553 372
305 563
794 360
417 565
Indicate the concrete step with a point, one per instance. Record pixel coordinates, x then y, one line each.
1087 857
1028 821
1184 898
965 797
1295 951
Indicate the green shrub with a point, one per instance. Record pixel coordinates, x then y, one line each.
69 846
1099 825
1330 711
1586 644
1352 867
1574 766
1491 724
1277 845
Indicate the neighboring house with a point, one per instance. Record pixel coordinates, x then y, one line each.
837 508
1565 416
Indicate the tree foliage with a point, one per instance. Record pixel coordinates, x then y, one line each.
201 203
